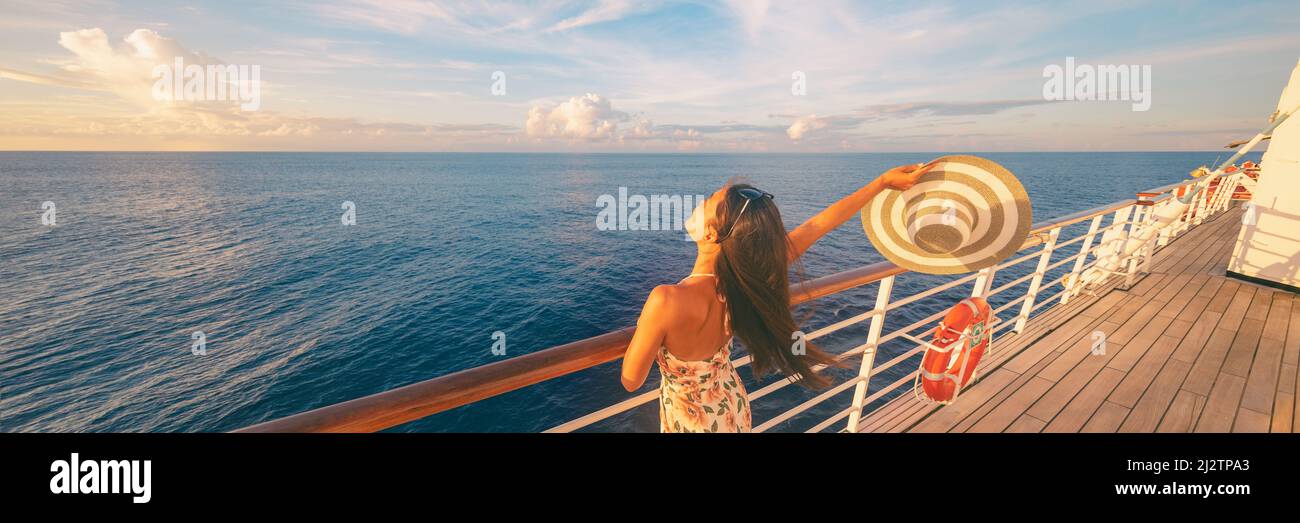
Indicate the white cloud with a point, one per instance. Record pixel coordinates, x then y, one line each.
587 117
643 129
804 125
592 118
398 16
478 18
751 13
807 127
124 69
688 140
604 11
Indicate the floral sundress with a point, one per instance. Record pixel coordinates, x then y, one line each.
701 396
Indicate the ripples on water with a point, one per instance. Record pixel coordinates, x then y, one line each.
301 312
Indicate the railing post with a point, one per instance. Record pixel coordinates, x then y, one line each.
1032 292
984 282
1141 213
1125 228
1149 248
1225 192
1230 183
1165 232
1197 208
1140 257
1135 229
1207 203
1201 206
869 354
1185 219
1211 204
1083 257
1222 194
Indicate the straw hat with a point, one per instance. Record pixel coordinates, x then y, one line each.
965 214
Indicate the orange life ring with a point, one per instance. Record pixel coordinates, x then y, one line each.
946 368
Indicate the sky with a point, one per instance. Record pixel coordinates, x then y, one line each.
639 76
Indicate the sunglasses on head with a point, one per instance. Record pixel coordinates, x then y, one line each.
749 194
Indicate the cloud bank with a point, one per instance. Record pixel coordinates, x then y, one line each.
586 117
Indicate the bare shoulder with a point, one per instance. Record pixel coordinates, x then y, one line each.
658 304
667 301
664 296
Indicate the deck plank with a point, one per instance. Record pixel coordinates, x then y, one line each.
1283 413
1291 353
1089 366
1195 337
1045 348
1157 399
1026 424
1080 351
1182 414
1250 421
1206 368
1279 317
1261 384
996 400
945 417
1143 373
1080 409
1138 345
1009 410
1107 418
1221 406
1242 353
1295 401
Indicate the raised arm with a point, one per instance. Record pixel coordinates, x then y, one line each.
899 178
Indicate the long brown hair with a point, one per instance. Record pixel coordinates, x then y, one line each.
753 276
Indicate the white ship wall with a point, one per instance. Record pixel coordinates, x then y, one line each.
1269 249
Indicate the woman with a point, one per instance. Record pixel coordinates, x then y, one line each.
738 287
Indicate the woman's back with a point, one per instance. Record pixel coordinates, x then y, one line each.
699 389
699 326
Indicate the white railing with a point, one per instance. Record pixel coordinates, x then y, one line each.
1128 218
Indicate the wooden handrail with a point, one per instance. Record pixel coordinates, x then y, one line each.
411 402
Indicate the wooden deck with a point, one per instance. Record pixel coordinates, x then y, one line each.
1187 349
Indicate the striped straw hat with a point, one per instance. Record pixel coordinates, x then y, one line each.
965 214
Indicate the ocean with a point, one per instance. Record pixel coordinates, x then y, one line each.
246 256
